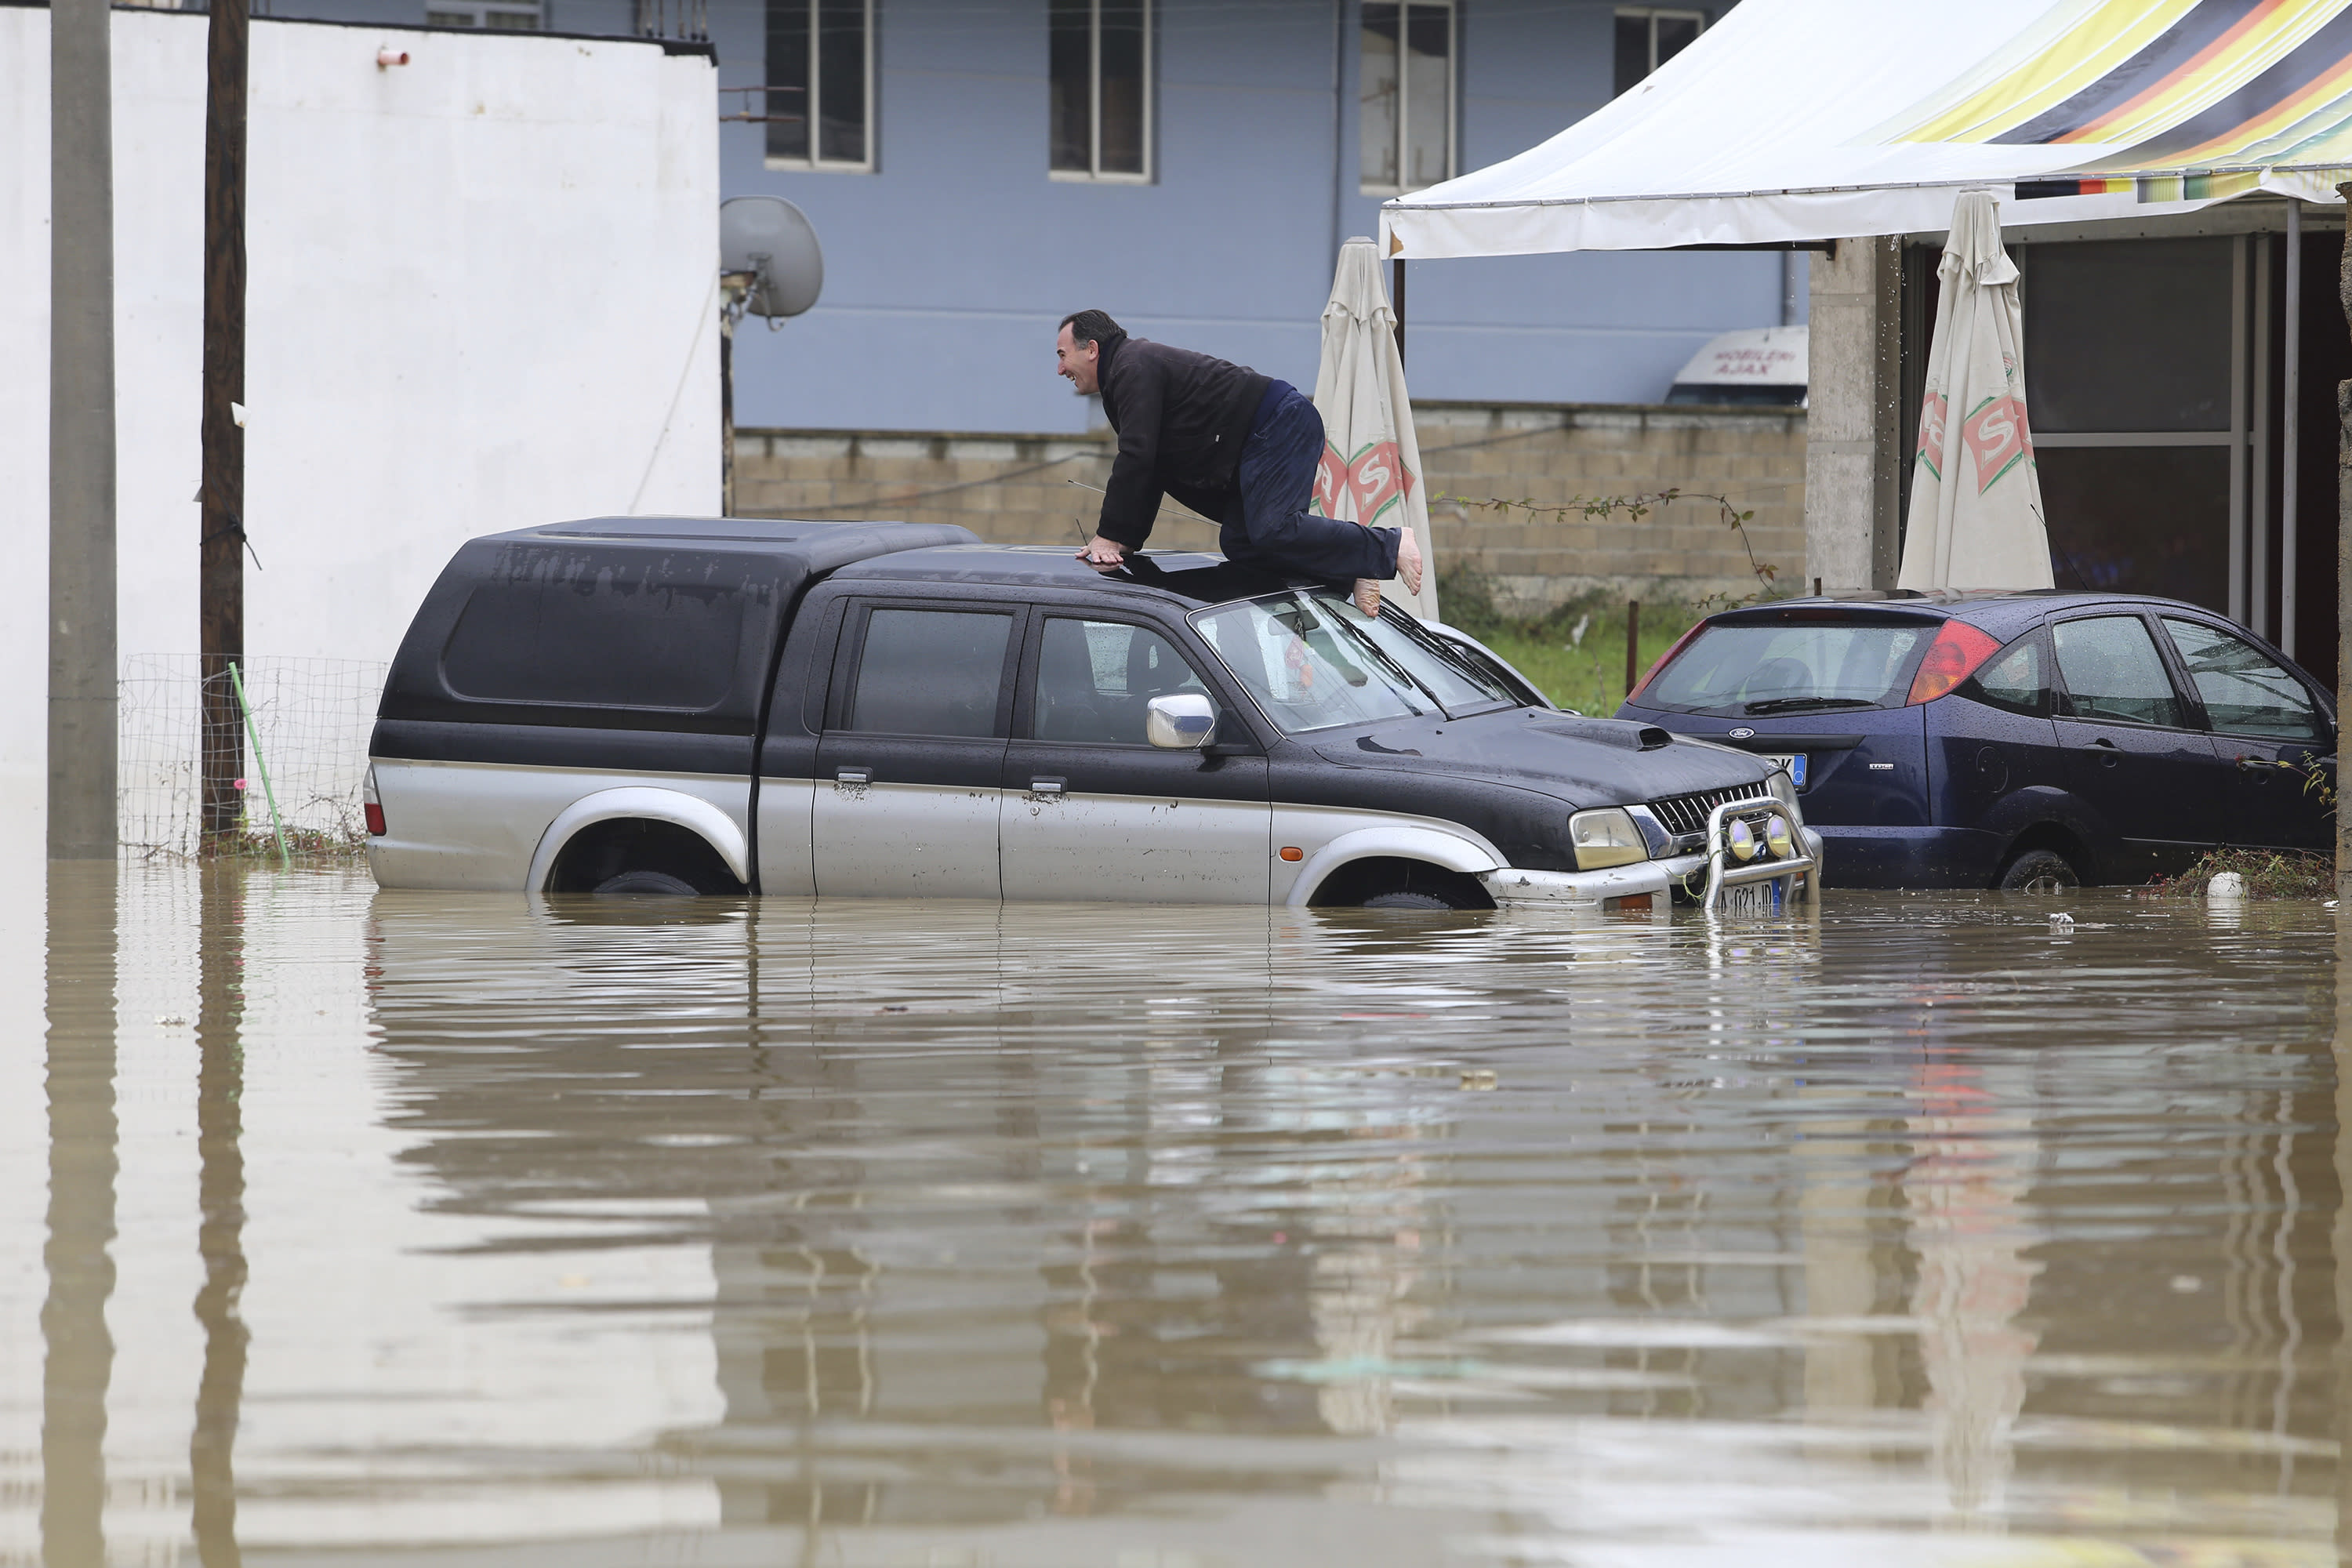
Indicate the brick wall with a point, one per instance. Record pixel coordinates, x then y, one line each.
1032 489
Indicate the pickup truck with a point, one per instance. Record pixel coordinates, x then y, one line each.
729 706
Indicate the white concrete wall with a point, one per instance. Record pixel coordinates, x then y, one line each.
482 295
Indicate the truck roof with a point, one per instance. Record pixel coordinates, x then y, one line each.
1190 577
816 546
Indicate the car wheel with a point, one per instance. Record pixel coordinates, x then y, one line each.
1406 901
2040 871
646 884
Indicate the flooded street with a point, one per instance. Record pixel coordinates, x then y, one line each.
349 1227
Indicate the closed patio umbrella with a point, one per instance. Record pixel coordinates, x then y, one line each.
1371 463
1976 518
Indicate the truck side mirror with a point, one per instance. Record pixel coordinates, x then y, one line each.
1183 722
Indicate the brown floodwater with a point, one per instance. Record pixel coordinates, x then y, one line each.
342 1227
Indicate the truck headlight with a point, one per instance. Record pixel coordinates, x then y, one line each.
1607 836
1784 789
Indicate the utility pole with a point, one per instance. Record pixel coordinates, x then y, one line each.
82 653
220 573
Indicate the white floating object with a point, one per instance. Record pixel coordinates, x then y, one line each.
2226 888
2062 923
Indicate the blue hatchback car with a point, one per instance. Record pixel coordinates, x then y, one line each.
2011 740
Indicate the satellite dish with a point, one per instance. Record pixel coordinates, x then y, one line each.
772 239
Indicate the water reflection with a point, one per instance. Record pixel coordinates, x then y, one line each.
220 1201
80 1362
905 1233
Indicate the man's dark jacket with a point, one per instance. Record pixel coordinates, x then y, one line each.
1180 419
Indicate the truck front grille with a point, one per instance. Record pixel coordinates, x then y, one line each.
1686 813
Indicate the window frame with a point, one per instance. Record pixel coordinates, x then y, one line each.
1368 187
1095 173
849 658
1033 669
2185 676
2037 637
814 163
1652 14
2184 690
481 12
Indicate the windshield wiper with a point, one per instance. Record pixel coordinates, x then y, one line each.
1387 661
1798 704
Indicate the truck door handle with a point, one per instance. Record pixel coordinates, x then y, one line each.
2106 749
853 775
1046 786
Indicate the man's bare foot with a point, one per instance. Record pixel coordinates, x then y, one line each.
1408 560
1367 597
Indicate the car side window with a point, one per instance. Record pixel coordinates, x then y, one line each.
2017 680
930 672
2244 690
2112 670
1096 680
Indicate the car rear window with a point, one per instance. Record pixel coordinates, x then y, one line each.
602 629
1783 668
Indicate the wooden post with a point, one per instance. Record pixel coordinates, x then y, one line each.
1632 644
726 409
220 570
81 588
1396 303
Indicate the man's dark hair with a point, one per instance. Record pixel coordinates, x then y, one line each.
1091 326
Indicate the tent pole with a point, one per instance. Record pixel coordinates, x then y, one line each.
1396 303
2258 509
2290 436
2343 569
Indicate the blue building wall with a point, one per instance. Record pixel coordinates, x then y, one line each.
948 266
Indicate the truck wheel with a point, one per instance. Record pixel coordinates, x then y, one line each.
2040 871
646 884
1406 901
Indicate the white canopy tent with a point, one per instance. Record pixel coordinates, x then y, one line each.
1813 119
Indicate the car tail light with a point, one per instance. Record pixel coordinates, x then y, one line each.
1958 652
1665 659
372 806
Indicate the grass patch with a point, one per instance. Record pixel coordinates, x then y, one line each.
1575 654
307 846
2269 873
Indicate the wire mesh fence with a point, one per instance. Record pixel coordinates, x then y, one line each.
308 738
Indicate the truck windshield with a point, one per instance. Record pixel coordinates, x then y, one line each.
1784 669
1314 661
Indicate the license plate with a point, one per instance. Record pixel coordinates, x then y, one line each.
1794 763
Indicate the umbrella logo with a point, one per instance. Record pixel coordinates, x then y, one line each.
1367 485
1995 436
1932 411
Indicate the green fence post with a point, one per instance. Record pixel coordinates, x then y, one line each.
285 860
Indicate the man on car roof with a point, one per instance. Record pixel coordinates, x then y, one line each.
1238 447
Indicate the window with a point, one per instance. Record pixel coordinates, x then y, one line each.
820 89
2244 692
512 17
1099 60
2017 681
2112 672
1647 37
601 630
1773 668
1405 97
1096 680
930 672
